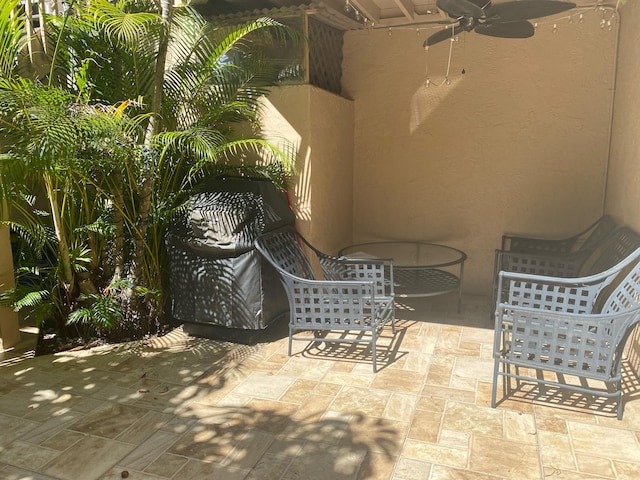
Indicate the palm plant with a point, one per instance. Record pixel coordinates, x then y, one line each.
12 37
58 148
142 104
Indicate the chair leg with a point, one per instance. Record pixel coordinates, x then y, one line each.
496 366
290 339
618 386
373 349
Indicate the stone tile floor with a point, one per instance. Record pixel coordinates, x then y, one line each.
179 407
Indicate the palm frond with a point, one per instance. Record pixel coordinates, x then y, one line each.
129 28
24 297
234 37
195 142
12 36
33 233
102 313
80 256
267 151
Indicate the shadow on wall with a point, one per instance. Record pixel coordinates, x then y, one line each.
283 134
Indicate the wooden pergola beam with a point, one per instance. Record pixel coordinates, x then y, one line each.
367 8
407 8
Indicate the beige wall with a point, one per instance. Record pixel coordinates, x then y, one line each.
9 325
518 143
623 187
319 125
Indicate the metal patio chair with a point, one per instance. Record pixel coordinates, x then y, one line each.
353 295
592 258
567 326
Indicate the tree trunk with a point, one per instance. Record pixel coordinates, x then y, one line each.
118 221
152 129
63 247
28 24
43 33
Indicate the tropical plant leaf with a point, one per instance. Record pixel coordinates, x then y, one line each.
12 36
102 313
24 297
127 27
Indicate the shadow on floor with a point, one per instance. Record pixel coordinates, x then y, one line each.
27 345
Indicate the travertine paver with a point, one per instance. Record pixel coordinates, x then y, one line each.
179 407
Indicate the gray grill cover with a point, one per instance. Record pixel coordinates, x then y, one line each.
216 275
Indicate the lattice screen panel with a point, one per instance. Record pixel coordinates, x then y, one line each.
325 56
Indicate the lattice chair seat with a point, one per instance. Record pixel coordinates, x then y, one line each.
353 295
576 326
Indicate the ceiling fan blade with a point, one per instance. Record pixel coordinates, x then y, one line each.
442 35
483 4
522 29
460 8
519 10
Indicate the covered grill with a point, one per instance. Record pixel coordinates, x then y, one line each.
220 286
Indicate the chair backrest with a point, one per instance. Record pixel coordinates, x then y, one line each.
282 249
626 294
621 243
596 233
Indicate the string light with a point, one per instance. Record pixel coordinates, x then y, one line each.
349 7
447 79
606 23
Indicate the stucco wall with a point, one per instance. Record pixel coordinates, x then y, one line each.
519 143
623 188
319 126
9 326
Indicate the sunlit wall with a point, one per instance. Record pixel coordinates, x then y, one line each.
318 125
518 143
623 189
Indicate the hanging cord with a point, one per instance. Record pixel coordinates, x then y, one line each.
447 80
464 54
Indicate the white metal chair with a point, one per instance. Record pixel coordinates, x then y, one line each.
354 295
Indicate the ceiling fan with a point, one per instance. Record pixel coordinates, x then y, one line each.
505 20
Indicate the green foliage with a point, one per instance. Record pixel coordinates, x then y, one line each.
101 313
12 37
35 304
82 176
